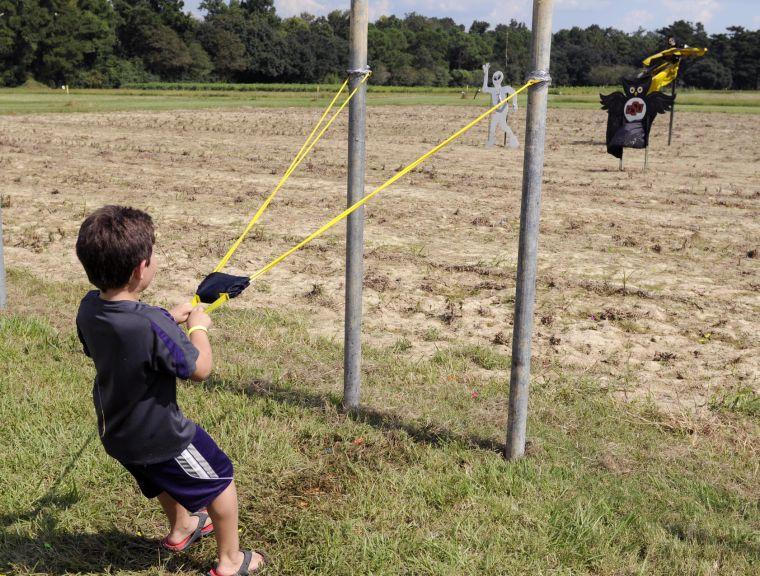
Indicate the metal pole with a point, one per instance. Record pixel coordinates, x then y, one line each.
525 293
506 54
506 67
672 110
355 227
2 262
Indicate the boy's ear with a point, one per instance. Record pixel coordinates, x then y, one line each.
139 270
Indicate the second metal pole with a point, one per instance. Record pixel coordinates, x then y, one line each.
355 226
525 291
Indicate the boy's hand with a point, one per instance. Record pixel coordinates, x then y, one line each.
181 312
198 317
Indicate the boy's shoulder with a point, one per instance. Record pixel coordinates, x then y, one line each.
123 311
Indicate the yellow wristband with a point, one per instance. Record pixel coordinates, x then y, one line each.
194 328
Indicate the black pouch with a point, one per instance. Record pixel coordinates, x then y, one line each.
218 283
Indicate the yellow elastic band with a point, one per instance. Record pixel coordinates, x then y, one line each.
223 297
302 153
388 182
379 189
196 328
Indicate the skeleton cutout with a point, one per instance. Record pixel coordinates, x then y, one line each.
499 118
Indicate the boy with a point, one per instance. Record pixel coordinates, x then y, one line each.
139 351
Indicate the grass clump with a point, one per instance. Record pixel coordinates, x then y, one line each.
742 401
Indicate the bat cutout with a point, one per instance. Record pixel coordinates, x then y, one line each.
631 113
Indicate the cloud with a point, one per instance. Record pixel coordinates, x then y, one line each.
379 8
582 4
519 10
636 19
294 7
692 10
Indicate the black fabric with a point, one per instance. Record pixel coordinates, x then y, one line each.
139 352
624 133
629 135
218 283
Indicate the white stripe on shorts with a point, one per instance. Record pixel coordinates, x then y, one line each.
202 462
190 466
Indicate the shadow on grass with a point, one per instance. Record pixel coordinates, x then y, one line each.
421 432
50 499
64 553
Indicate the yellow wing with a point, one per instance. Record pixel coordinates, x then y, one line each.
667 71
675 53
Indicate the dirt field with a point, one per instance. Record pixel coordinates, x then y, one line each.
649 282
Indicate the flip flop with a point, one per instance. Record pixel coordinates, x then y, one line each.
200 531
243 570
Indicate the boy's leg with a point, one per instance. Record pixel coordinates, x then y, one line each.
224 513
180 522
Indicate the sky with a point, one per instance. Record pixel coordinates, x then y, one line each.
716 15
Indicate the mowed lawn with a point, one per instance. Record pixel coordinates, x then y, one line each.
415 484
39 99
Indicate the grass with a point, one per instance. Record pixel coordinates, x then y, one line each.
164 96
414 484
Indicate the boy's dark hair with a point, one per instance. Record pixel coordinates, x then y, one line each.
112 242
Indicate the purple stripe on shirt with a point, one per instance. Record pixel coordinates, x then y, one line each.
180 361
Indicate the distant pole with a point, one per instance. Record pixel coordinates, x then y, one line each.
672 110
355 226
533 167
3 296
506 54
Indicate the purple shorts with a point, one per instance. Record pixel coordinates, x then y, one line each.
194 478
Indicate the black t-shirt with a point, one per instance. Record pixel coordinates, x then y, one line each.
138 351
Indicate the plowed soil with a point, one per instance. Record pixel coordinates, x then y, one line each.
649 281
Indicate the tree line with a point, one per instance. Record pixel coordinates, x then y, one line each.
110 43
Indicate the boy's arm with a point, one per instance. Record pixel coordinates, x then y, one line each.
84 344
198 322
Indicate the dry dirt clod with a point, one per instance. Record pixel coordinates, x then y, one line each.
501 339
317 290
452 312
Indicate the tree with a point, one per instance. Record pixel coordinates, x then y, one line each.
17 40
108 42
153 31
514 41
479 27
685 33
264 7
71 42
225 49
746 47
706 73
